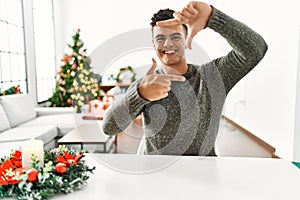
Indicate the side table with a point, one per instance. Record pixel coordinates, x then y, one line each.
89 134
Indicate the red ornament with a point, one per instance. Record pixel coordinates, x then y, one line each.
69 101
32 175
61 168
74 66
66 59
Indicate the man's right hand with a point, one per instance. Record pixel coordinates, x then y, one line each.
157 86
195 14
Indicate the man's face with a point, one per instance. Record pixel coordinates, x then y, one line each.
169 43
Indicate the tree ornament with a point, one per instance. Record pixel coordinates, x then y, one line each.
73 73
69 101
78 44
74 66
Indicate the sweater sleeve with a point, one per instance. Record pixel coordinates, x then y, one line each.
123 111
248 48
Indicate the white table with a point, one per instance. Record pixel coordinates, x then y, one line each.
169 177
88 134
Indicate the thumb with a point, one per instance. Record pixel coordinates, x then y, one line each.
190 38
153 67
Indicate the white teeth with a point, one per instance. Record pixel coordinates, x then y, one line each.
169 51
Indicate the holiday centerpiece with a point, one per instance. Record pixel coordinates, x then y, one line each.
62 170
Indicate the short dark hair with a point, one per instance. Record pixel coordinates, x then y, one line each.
164 14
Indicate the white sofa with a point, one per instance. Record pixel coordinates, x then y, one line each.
20 120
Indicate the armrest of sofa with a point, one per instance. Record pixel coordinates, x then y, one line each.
53 111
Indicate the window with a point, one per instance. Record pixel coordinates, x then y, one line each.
12 53
44 48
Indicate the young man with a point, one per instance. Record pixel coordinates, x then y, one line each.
182 103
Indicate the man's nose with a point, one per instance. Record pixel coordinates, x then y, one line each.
168 42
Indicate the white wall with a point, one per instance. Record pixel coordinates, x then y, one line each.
263 102
297 110
30 49
266 106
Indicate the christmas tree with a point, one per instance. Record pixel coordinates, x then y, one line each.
85 87
73 65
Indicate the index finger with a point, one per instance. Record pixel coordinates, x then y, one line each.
172 77
168 22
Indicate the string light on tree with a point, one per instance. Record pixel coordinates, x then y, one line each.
85 87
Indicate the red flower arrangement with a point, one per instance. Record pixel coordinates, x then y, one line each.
16 159
69 159
10 169
64 171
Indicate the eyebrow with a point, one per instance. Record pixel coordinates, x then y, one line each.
160 35
173 34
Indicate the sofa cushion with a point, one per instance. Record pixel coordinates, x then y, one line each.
19 108
4 123
64 122
44 133
40 111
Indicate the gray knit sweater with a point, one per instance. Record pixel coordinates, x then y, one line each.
187 121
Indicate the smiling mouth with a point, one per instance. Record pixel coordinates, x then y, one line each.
169 52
